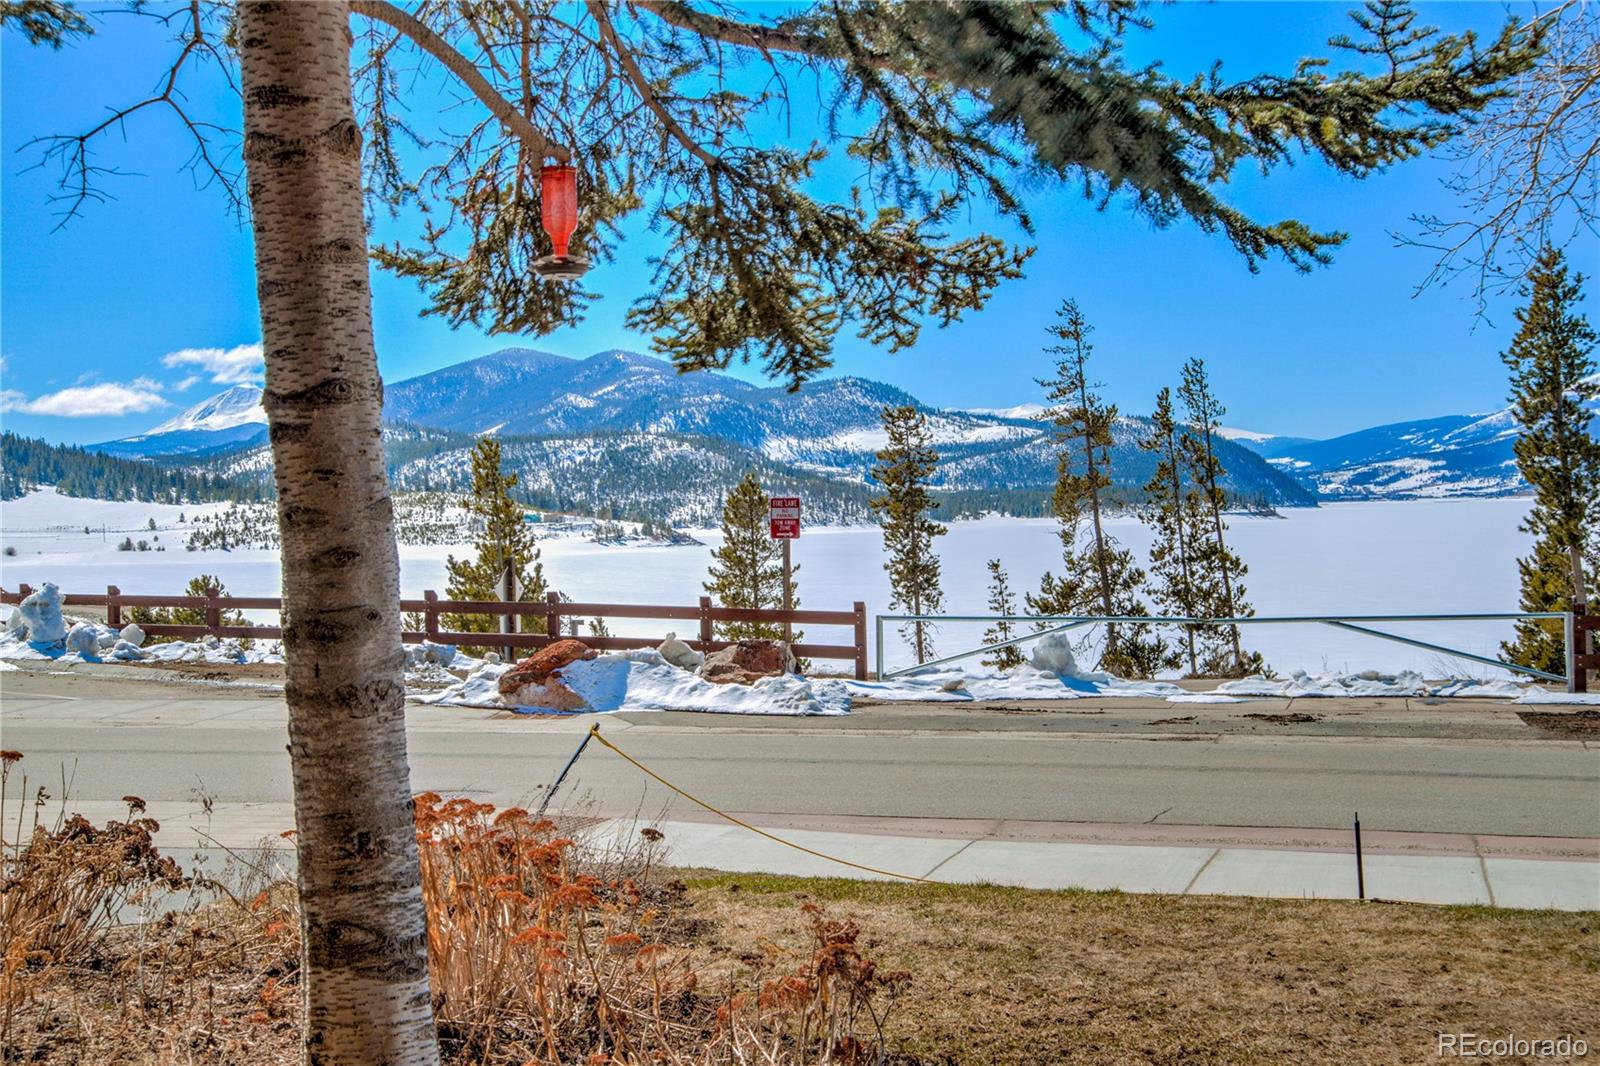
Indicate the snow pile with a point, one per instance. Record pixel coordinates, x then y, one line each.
644 681
209 650
953 684
1301 684
1544 695
88 641
40 616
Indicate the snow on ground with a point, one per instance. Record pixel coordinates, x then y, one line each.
1402 557
644 681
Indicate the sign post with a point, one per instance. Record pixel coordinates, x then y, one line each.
783 520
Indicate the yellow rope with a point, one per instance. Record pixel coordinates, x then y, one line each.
594 731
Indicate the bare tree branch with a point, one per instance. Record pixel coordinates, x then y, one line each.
73 150
636 78
464 69
1528 172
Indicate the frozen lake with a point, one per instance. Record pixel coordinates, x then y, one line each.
1412 557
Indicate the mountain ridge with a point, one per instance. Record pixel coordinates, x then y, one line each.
613 401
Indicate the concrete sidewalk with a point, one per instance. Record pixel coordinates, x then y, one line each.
1532 872
1556 883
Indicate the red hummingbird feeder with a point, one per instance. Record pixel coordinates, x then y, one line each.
558 208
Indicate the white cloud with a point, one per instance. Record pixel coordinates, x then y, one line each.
107 399
187 383
227 366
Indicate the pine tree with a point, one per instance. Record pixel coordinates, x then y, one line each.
1098 576
1004 604
1172 515
1552 370
502 542
747 570
188 616
905 510
1214 568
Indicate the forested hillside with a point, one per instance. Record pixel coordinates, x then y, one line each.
25 464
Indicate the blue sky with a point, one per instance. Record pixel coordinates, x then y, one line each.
153 291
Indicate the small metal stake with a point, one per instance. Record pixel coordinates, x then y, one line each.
1361 876
562 776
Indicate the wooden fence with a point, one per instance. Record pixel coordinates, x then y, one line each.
553 610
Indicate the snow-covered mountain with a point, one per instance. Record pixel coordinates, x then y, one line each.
1456 455
227 420
238 406
830 428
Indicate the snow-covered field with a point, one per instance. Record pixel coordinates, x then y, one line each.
1412 557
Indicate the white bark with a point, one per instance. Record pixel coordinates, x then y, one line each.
365 948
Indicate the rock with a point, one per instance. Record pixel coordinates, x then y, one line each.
127 651
539 666
550 694
492 658
954 684
83 639
41 613
679 654
443 654
745 661
1053 655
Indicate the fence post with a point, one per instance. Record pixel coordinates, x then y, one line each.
508 622
552 616
877 626
1577 644
213 610
861 640
113 608
705 622
430 615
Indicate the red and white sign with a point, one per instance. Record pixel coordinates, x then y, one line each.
783 515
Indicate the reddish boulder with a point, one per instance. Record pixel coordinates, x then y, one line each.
747 660
537 668
551 695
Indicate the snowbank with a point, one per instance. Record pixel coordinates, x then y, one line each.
1300 685
953 684
89 641
644 681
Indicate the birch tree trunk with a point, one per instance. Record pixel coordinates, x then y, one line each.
364 958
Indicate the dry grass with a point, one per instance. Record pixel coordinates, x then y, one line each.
1016 976
540 951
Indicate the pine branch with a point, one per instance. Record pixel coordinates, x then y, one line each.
464 69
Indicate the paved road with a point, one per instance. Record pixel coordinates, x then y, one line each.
1444 768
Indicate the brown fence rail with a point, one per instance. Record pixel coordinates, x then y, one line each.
553 610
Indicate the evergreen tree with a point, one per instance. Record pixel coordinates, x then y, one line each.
1098 576
502 541
905 466
187 616
1004 604
1552 370
747 571
1214 569
1172 515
